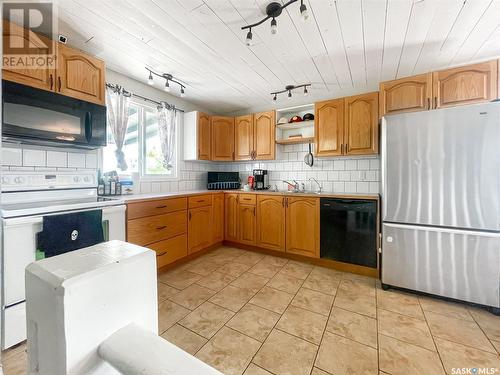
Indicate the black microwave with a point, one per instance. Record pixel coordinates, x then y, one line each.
35 116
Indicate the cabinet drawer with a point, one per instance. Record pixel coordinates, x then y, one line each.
156 207
168 251
151 229
248 199
200 200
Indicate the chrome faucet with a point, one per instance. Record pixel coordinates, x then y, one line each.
294 185
320 188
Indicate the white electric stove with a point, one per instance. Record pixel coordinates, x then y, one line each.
26 198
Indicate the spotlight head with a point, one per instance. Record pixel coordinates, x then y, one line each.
289 94
183 93
150 79
305 91
167 86
304 13
274 26
248 40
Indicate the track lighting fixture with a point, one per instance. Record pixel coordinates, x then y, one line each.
289 89
249 38
168 78
273 10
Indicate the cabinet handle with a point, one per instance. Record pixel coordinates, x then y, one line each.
346 148
59 82
200 201
247 199
237 198
428 103
435 102
233 155
164 206
286 202
189 215
283 201
162 227
51 80
254 211
342 148
160 255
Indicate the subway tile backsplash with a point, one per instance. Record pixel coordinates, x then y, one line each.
15 157
339 174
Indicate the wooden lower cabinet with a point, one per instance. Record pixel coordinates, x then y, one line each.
231 217
168 251
271 222
246 224
151 229
217 217
199 228
302 226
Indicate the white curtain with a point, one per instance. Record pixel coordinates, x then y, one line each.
118 104
167 119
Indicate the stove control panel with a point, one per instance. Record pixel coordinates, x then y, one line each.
28 181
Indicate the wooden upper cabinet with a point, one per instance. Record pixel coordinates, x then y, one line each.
407 94
204 136
271 222
42 77
79 75
222 138
361 124
264 135
231 217
243 137
302 226
199 228
246 223
329 127
465 85
217 217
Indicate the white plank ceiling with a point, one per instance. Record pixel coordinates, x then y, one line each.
346 47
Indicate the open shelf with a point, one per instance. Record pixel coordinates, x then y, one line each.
296 125
293 141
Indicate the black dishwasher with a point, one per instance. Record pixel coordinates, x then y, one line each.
349 231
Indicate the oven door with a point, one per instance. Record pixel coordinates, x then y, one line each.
19 240
37 116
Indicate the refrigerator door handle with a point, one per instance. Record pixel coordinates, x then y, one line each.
444 230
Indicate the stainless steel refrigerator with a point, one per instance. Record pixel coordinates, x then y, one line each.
441 202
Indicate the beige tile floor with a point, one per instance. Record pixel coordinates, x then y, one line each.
248 313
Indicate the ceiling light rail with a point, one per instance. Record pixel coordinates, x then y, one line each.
289 89
168 78
273 10
118 88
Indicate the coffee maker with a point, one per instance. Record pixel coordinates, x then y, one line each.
261 179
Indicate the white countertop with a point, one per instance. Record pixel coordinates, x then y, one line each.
146 196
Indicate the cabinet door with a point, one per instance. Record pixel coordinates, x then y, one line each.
42 77
217 217
271 222
204 136
407 94
329 127
264 135
222 138
79 75
243 137
246 223
302 226
231 217
465 85
361 124
199 228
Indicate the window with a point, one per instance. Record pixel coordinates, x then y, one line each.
142 147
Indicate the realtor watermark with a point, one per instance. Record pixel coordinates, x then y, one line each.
31 27
474 371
